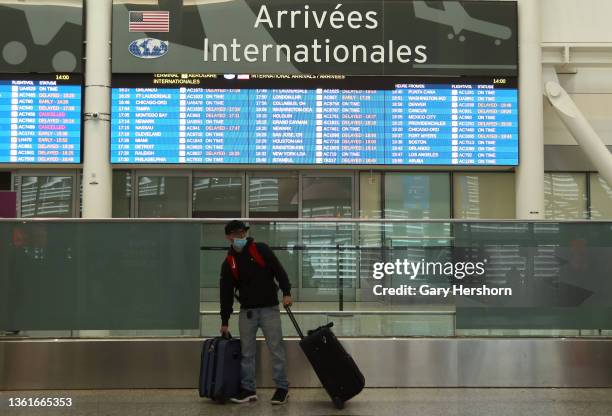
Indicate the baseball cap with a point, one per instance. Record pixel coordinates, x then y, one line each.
235 225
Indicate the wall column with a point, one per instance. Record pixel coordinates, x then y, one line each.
530 173
97 172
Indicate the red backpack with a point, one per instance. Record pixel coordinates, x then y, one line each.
253 252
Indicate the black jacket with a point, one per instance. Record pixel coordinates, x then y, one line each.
256 285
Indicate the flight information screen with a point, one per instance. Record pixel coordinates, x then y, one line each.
314 120
40 118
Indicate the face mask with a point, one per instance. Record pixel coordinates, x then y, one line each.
239 243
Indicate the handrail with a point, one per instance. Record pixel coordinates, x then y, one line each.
306 248
297 220
347 313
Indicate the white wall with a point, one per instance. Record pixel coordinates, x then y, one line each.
591 89
576 21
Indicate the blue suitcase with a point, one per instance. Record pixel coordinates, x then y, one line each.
220 369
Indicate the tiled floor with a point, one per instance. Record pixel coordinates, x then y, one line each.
379 402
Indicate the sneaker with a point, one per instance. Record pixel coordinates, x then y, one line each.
244 396
280 396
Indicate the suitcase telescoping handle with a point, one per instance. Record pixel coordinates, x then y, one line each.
295 324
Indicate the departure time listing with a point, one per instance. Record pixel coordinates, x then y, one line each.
347 121
40 119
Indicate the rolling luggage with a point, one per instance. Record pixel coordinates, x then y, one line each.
336 369
220 369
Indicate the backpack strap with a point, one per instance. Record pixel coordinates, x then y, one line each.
253 252
231 261
256 256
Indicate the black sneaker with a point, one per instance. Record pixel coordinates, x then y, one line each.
280 396
244 396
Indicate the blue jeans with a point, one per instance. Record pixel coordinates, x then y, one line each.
268 319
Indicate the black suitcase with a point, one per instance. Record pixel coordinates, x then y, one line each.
220 369
336 369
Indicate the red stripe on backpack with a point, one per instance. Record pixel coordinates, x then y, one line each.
254 253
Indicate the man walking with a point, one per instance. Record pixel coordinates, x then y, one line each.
251 272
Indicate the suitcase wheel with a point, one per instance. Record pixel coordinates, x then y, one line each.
338 402
219 400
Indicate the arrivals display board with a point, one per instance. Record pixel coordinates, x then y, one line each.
40 118
41 57
314 120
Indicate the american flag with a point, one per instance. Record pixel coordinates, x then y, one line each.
150 21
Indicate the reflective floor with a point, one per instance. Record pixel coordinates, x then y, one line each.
418 402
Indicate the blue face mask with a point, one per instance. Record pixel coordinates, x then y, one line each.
239 243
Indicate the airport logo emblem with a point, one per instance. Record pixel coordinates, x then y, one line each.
149 48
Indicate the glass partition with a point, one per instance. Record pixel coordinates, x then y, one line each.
601 198
464 278
217 196
565 196
325 271
417 195
370 199
273 196
163 196
122 194
65 276
46 196
327 197
487 195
